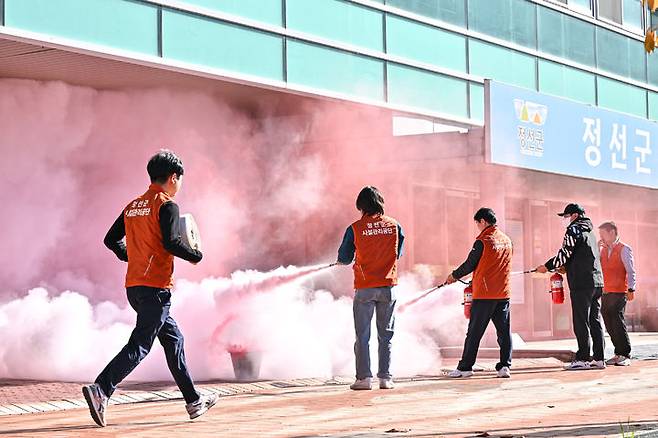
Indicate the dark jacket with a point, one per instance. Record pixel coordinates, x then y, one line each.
580 256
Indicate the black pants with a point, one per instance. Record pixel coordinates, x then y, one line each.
612 309
586 312
153 320
482 312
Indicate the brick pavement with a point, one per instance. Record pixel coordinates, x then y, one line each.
539 401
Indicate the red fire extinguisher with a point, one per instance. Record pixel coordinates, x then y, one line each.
468 300
557 288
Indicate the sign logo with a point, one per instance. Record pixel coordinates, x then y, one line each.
527 111
531 139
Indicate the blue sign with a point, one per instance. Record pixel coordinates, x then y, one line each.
533 131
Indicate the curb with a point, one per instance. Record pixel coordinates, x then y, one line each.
130 397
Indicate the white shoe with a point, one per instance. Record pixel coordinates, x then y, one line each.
362 384
201 406
614 360
597 365
504 373
456 374
386 384
577 365
624 362
97 401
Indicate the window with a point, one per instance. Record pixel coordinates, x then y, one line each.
193 38
511 20
633 12
565 36
267 11
502 64
336 20
581 5
331 69
578 5
423 43
422 89
625 98
564 81
450 11
611 10
620 54
624 12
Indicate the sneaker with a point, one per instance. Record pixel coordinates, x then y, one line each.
361 384
504 373
97 401
456 374
614 360
624 362
201 406
386 384
597 365
577 365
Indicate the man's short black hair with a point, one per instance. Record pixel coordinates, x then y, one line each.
370 201
486 214
162 165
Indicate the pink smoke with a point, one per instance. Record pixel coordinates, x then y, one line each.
265 190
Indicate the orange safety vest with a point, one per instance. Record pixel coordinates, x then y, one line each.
614 271
149 263
376 242
491 279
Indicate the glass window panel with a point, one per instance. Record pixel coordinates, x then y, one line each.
337 20
268 11
425 43
619 54
477 101
610 10
450 11
123 24
511 20
652 61
633 15
566 36
581 5
568 82
204 41
335 70
422 89
622 97
502 64
653 105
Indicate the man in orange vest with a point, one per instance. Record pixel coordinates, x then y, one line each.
618 288
150 225
376 240
490 260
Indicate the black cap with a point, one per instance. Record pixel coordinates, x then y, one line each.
571 209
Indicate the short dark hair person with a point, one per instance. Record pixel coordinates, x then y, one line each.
485 214
609 226
370 201
162 165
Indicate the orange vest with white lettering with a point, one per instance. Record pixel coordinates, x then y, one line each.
614 271
376 242
491 279
149 264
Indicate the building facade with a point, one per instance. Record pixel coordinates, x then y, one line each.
422 59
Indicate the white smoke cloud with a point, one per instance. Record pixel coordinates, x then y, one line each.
300 332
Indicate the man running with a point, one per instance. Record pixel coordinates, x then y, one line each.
150 225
